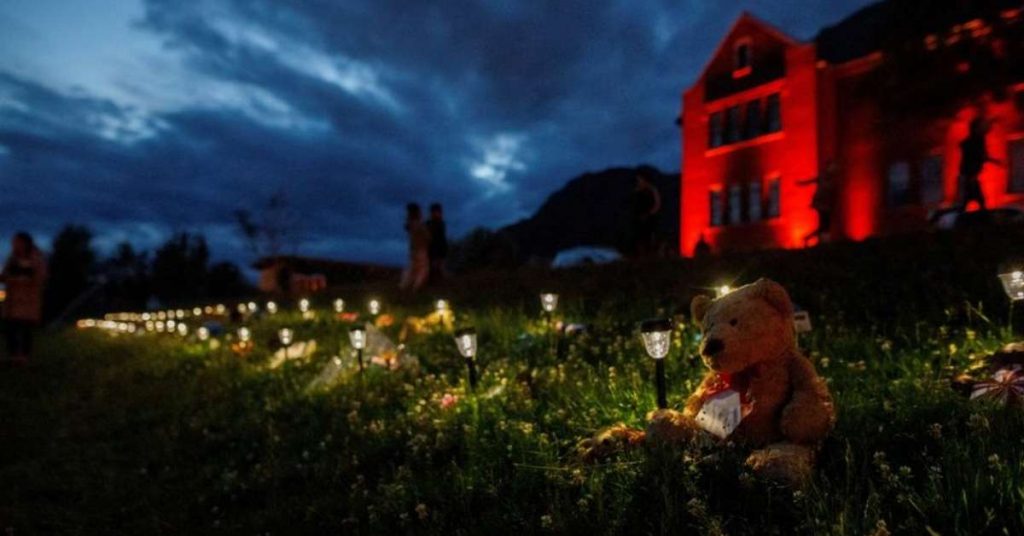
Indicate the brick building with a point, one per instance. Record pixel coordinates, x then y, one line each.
885 96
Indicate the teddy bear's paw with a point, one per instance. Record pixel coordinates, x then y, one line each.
608 442
669 426
786 463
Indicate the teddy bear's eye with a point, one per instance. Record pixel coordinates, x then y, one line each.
734 321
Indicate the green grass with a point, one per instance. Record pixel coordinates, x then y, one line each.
150 434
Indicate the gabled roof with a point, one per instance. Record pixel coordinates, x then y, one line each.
746 16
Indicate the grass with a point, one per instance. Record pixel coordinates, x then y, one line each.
153 434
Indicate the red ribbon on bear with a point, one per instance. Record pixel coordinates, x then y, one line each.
737 382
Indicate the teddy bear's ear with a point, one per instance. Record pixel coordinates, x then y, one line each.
774 294
699 307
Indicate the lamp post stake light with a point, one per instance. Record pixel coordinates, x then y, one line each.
465 341
357 336
657 337
1013 286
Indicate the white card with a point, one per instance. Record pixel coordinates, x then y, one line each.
721 414
802 321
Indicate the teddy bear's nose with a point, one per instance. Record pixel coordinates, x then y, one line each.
712 347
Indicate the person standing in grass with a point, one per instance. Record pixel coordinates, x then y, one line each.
438 250
24 274
645 203
419 243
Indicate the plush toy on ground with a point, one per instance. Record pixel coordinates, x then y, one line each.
760 392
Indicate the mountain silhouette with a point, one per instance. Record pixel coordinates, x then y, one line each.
592 209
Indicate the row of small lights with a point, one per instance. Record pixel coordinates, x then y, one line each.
656 334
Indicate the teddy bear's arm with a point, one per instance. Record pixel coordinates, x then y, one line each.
809 415
696 399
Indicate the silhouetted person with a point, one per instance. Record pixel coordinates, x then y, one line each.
419 241
973 157
822 203
438 250
24 274
702 250
645 204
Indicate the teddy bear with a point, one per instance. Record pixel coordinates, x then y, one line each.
759 391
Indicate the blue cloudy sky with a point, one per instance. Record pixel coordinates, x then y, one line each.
141 118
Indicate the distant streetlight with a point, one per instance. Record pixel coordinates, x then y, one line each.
465 341
657 337
357 337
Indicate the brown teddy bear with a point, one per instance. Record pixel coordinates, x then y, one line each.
760 391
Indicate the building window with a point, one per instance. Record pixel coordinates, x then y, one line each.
732 124
898 184
735 203
774 196
742 57
773 114
754 201
752 123
715 130
931 180
1016 157
716 207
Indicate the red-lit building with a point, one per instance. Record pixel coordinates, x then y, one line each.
886 96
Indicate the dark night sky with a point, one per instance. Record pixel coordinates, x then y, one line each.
144 117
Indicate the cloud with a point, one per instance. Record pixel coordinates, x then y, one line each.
498 157
352 108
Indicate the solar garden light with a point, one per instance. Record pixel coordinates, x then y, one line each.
271 307
1013 285
203 334
304 305
244 335
657 337
465 341
441 306
339 305
374 307
723 290
182 329
285 335
253 307
357 337
548 302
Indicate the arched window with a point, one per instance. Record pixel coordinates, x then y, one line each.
742 57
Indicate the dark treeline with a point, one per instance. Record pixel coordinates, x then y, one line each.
179 272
